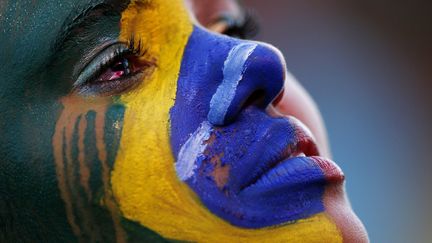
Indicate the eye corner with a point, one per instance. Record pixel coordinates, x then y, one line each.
244 26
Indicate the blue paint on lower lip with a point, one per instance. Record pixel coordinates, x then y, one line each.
233 175
292 174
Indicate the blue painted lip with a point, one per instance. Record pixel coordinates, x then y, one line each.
293 174
299 147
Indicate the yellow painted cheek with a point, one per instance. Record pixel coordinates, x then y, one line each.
144 181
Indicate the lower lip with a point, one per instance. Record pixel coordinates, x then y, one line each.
296 173
332 171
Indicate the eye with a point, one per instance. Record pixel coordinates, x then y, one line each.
119 69
116 69
244 27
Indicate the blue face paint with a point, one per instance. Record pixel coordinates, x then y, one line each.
240 168
234 67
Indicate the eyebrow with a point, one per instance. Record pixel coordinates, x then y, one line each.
85 16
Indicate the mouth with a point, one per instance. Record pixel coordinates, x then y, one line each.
262 171
290 168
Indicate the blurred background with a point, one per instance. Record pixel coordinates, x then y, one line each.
368 65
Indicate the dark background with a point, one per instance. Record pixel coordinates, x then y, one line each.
368 65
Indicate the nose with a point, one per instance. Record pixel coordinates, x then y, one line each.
252 73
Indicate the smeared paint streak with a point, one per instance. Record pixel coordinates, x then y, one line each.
191 150
113 131
83 167
106 177
79 212
233 70
71 151
70 116
57 144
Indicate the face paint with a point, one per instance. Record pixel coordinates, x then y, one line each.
58 148
144 178
75 134
188 153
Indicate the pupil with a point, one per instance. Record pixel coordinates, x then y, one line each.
121 66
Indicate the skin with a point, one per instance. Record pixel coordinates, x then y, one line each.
101 161
211 13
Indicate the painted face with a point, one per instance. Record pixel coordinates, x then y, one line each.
127 122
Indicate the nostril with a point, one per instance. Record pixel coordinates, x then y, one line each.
253 74
256 99
278 98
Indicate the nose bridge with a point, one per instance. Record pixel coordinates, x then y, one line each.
249 67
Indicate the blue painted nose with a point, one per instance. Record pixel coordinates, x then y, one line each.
252 73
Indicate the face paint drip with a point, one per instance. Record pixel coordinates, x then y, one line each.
72 114
108 199
58 141
85 170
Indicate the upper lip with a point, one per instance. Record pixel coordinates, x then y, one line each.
303 146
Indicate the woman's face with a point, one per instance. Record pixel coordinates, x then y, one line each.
126 121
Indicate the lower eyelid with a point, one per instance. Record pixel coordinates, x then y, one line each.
121 85
113 87
98 62
89 83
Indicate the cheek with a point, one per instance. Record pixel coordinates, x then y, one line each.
297 102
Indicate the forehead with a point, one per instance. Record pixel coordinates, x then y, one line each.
32 24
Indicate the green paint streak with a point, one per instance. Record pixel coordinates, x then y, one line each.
92 159
112 132
101 216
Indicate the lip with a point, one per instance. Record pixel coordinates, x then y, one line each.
295 174
290 162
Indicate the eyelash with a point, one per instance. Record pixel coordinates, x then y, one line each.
89 82
248 28
136 49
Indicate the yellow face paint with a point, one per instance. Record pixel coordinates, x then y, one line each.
144 181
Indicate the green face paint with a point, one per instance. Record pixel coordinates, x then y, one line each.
57 149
